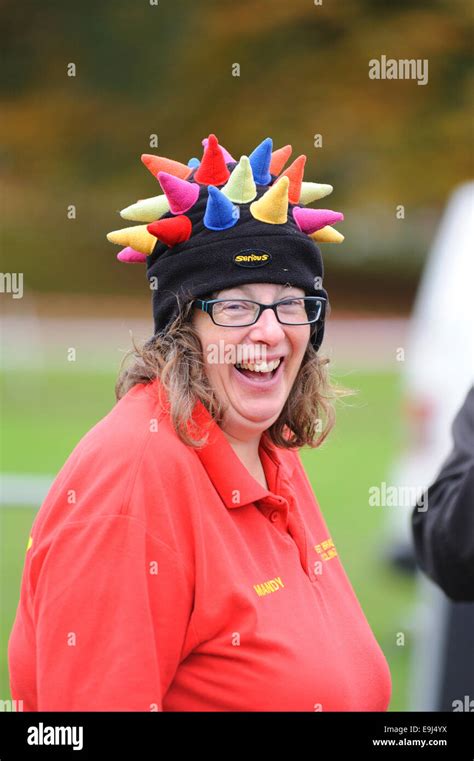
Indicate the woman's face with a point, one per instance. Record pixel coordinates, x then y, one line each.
254 400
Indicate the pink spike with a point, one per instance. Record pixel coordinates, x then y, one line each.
310 220
181 194
227 157
130 256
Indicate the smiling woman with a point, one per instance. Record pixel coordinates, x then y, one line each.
193 569
291 402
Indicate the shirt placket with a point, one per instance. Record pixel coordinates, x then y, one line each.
297 530
275 509
283 513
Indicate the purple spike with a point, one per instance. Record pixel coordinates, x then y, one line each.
181 194
131 256
310 220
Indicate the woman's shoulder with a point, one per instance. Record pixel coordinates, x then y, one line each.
122 473
124 432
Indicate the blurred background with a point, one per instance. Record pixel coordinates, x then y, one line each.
395 151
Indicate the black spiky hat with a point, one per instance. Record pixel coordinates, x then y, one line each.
222 223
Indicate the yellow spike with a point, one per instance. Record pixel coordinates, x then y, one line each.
272 207
137 237
313 191
327 235
147 209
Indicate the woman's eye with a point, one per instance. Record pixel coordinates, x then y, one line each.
235 307
292 304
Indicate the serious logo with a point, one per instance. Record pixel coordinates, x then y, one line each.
252 257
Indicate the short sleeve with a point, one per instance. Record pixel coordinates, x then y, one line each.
111 607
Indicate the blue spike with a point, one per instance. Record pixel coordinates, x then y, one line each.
194 163
260 159
220 212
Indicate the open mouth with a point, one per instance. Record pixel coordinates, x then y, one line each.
259 371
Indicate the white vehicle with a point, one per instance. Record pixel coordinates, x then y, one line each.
438 372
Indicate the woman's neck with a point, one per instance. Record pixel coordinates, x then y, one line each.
248 453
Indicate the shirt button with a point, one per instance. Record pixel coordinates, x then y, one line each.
274 516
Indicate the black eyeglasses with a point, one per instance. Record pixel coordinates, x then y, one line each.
239 313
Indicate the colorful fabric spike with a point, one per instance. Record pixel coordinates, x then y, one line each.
310 220
220 213
227 157
171 231
147 209
181 194
130 256
313 191
279 159
212 170
241 187
272 207
260 160
295 174
327 235
136 237
159 164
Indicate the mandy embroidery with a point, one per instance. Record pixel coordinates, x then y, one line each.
267 587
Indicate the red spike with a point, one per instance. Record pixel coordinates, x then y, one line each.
172 230
212 169
295 174
279 159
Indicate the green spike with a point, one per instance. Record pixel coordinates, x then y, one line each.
147 209
313 191
240 187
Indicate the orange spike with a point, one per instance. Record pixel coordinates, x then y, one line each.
160 164
279 159
295 174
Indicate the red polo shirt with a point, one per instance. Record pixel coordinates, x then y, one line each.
159 577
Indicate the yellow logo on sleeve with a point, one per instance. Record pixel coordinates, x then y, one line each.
326 549
30 542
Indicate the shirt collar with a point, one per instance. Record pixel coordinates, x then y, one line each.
235 485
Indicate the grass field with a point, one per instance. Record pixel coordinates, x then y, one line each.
44 415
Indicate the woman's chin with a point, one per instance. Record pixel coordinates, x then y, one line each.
254 406
261 411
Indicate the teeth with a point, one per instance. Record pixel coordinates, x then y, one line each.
260 367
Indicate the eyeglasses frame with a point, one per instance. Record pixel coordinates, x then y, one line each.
206 306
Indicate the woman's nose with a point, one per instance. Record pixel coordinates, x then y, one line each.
267 325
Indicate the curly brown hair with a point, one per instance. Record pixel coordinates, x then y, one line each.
175 356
